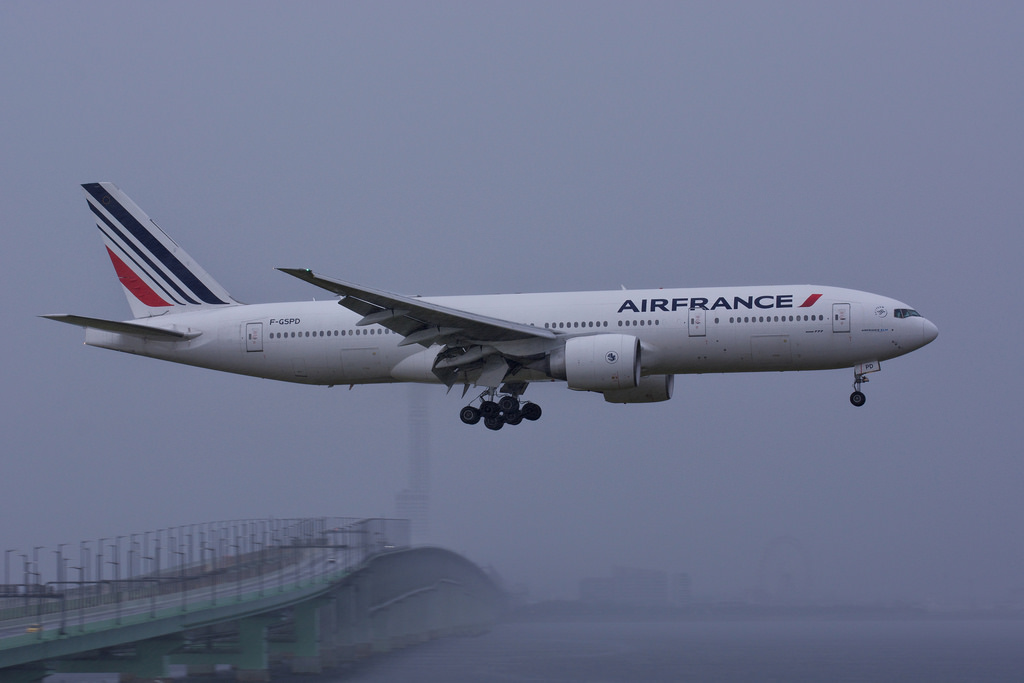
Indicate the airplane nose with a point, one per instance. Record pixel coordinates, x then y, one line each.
928 332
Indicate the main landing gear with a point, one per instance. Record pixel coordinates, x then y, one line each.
497 414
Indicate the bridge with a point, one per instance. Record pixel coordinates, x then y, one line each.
308 593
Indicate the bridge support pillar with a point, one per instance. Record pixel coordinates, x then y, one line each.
351 630
306 655
329 630
253 663
362 631
149 661
249 656
25 674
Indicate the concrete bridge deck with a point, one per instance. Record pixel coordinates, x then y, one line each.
330 594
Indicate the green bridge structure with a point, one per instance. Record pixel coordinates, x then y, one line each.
299 595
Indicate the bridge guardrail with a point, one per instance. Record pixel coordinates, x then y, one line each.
180 563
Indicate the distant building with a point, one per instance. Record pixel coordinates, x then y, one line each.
636 588
413 503
415 507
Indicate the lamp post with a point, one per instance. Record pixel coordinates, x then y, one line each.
81 597
24 556
7 567
259 570
117 575
35 559
83 558
181 565
156 554
154 589
213 574
238 572
99 570
132 554
60 561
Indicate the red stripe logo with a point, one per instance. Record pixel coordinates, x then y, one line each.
134 284
810 300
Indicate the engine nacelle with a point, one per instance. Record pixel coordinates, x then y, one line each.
598 362
650 390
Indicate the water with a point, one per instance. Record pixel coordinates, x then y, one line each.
931 651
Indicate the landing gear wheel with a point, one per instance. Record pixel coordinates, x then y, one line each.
857 398
530 411
499 409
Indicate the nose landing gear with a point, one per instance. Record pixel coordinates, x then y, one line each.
858 398
506 410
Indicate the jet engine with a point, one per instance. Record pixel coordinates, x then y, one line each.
650 390
599 362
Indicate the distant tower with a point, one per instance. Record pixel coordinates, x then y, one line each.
784 574
414 502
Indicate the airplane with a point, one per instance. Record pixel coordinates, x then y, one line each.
626 345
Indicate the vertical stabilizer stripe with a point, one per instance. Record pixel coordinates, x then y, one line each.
151 269
130 262
150 242
134 284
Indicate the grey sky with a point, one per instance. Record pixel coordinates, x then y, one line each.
483 147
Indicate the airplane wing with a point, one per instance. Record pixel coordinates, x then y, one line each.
133 329
478 348
420 322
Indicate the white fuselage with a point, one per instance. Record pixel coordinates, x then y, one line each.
682 331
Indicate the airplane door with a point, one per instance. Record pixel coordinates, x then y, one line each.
696 322
840 317
254 336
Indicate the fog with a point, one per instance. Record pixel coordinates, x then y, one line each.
499 147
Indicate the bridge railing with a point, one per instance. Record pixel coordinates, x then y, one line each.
177 565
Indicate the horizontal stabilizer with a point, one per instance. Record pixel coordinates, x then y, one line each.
133 329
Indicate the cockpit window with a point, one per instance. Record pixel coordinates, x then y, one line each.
906 313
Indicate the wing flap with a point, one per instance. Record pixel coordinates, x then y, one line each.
381 316
427 336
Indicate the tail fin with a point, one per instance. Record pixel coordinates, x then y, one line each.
157 275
